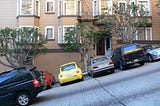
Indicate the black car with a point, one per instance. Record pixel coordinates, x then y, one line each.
20 86
129 54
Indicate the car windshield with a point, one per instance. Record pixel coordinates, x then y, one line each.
68 67
97 60
129 48
155 46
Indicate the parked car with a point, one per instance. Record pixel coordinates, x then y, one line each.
48 78
69 72
101 64
129 54
152 52
20 86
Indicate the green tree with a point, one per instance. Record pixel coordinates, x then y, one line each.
19 46
82 37
124 21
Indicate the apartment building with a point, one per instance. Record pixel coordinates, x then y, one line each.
52 17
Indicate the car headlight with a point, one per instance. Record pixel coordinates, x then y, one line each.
155 53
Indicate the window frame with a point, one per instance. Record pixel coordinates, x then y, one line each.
145 33
59 7
46 6
32 5
38 8
52 32
95 7
65 9
110 5
149 7
60 34
63 35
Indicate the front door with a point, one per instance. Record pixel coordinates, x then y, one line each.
101 46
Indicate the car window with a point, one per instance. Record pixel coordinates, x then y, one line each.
130 48
155 46
99 60
68 67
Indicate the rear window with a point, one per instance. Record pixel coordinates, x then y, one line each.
99 60
68 67
130 48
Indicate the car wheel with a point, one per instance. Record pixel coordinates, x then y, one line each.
150 58
49 86
112 71
122 67
93 75
23 99
141 63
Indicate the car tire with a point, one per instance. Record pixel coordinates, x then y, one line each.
93 75
49 86
113 71
23 99
141 63
150 58
122 67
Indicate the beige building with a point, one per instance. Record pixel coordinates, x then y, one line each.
52 17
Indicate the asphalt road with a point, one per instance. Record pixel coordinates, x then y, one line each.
137 86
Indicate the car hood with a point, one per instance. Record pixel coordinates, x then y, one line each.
154 50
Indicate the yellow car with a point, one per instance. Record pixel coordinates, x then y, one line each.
69 72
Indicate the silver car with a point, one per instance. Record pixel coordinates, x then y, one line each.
152 52
101 64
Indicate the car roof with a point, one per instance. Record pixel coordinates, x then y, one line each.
96 57
68 63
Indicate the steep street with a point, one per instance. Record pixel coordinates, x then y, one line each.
137 86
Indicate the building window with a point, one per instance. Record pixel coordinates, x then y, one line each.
65 29
95 7
49 32
59 7
26 7
50 6
132 5
59 34
144 34
144 5
37 8
106 6
122 6
79 8
69 7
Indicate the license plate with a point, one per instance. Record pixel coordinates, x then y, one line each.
70 75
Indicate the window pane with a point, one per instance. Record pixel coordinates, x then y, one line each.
49 33
141 34
69 7
148 35
105 4
37 8
49 6
144 5
26 8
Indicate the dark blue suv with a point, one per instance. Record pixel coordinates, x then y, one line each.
20 86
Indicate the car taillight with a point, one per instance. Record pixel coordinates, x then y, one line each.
61 76
35 83
123 58
95 67
111 62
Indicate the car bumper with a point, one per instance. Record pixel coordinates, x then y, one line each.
156 57
69 79
105 69
135 61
